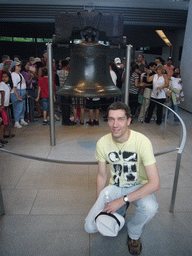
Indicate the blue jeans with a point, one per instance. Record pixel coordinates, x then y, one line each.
18 106
175 108
146 208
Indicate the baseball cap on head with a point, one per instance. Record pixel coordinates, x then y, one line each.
37 59
15 63
117 60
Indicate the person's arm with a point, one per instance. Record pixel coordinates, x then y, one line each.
149 78
17 94
101 176
143 84
2 100
38 94
136 82
2 97
123 77
151 186
39 75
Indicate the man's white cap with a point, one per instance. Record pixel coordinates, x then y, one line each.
109 224
117 61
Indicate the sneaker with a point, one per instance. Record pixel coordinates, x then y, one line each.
134 246
17 125
96 122
45 122
90 122
23 122
2 141
57 118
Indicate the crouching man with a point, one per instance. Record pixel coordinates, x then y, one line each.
134 176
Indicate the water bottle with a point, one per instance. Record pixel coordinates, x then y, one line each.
107 197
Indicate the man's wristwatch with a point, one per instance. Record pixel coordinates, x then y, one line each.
126 199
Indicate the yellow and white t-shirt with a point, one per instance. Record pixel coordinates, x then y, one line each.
127 160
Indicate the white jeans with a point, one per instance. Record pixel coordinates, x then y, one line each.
146 208
147 95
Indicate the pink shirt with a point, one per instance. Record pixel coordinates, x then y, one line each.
169 69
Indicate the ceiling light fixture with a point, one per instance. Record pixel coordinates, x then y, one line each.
163 37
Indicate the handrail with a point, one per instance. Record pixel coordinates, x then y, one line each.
183 142
68 162
179 154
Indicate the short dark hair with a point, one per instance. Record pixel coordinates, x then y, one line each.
23 64
120 105
5 57
44 71
10 78
151 64
135 66
64 63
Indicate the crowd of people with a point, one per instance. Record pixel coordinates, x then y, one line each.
24 91
158 82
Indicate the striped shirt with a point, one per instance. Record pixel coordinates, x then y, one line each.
132 88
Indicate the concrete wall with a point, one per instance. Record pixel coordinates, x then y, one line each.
186 63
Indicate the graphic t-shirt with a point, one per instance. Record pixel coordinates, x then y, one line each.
127 160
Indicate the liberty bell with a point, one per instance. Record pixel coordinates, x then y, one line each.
89 74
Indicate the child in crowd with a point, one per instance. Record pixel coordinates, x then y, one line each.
43 91
176 93
18 94
2 95
6 85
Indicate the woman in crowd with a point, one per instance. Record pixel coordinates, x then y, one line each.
28 75
160 81
18 94
176 93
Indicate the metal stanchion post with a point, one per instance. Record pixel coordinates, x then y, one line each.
51 93
178 162
165 126
2 211
127 76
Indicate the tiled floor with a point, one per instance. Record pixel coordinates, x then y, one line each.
46 203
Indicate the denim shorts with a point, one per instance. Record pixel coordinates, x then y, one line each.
45 104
